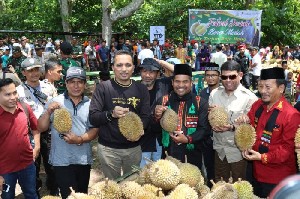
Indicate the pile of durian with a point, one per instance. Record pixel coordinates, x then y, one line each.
167 179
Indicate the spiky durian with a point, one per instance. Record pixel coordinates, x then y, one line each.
244 189
169 120
131 126
218 116
225 191
219 183
81 196
144 177
190 174
172 159
297 144
62 120
202 190
245 136
153 189
164 174
183 191
131 189
108 188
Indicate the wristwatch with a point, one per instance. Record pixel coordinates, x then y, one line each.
109 115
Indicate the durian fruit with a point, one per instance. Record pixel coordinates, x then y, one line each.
225 191
202 190
172 159
218 116
50 197
131 189
169 120
108 188
183 191
190 174
131 126
216 185
297 142
245 136
153 189
164 174
244 189
62 120
144 177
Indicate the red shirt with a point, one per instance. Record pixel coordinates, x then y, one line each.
15 149
280 159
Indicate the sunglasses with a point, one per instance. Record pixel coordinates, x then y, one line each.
231 77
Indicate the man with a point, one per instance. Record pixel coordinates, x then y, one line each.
17 156
77 54
111 100
296 52
103 54
218 57
228 52
39 49
275 122
126 46
150 73
25 47
236 100
9 73
255 66
145 53
244 60
180 52
212 77
66 62
15 61
156 49
71 155
91 59
192 113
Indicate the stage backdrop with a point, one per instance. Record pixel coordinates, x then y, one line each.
225 26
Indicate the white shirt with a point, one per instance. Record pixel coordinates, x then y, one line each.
256 70
145 53
218 58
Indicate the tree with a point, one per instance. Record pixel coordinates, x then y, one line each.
111 15
65 13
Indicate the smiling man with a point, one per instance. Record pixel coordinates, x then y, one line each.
236 100
276 123
111 100
192 112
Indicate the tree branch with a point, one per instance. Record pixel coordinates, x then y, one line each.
126 11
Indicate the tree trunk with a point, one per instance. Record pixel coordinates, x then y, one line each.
109 16
65 14
248 3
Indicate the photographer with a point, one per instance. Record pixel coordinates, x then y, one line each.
15 61
9 73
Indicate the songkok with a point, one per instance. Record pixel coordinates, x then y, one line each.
182 69
272 73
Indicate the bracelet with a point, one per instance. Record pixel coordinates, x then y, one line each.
81 141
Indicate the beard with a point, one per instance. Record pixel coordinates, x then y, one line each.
148 84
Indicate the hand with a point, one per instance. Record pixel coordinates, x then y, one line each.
242 119
2 181
119 112
36 152
159 110
71 138
222 128
250 154
179 137
11 69
52 106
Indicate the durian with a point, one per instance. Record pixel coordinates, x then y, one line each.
202 190
164 174
144 177
225 191
183 191
172 159
216 185
153 189
169 120
245 136
297 143
108 188
62 120
244 189
131 189
131 126
190 174
218 116
50 197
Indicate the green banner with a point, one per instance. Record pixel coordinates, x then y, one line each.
225 26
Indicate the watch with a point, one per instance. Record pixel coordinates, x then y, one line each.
109 115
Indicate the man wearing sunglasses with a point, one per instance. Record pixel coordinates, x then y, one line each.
236 100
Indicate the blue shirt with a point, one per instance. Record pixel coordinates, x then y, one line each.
62 153
103 53
4 60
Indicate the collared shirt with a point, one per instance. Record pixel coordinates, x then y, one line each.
280 159
62 153
239 102
256 60
16 151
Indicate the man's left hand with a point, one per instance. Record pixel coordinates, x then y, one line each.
179 137
250 154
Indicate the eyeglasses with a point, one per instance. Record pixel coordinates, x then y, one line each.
231 77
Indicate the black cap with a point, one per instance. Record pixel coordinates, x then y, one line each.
182 69
284 62
150 64
211 66
75 72
272 73
16 49
66 48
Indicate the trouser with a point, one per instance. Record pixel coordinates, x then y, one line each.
209 159
254 82
104 66
75 176
26 179
44 153
226 170
93 64
246 80
261 189
154 156
113 160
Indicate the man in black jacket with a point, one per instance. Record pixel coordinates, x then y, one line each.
244 60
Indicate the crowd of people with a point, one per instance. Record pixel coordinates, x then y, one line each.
36 80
